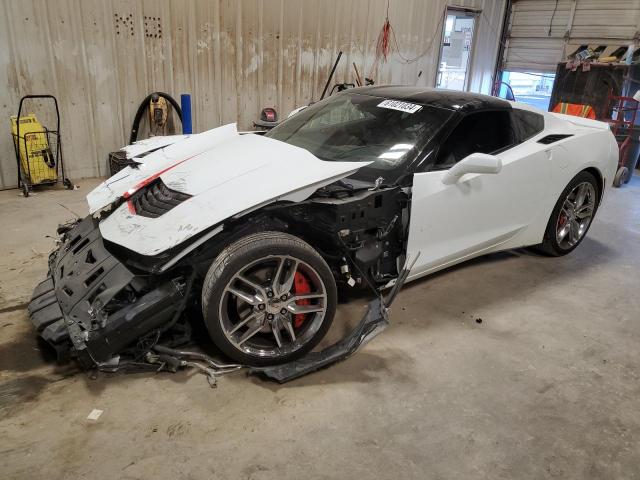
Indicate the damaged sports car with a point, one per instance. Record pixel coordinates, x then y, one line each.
261 232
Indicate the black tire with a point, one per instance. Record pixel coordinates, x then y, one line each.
550 245
242 253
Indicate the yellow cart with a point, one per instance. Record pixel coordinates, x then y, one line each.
38 149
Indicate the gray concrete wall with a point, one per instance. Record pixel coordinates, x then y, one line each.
102 57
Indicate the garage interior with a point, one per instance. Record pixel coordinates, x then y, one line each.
510 365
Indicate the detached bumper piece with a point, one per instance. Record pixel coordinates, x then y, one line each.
372 324
92 306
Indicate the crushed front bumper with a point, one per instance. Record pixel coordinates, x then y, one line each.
68 308
48 319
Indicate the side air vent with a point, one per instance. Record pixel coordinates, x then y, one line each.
554 138
157 199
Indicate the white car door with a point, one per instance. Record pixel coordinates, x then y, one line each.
480 212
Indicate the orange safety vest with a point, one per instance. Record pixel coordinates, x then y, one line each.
575 109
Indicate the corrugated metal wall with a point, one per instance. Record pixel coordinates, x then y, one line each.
102 57
540 30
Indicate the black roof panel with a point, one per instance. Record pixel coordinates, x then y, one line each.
437 97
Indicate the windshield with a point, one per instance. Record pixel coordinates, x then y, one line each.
351 127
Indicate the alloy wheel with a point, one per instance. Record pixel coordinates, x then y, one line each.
273 306
575 215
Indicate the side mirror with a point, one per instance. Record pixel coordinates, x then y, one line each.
474 163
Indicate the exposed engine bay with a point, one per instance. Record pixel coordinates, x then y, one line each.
363 231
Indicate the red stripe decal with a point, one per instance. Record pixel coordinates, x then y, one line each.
147 181
132 209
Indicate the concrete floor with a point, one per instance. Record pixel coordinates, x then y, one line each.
546 386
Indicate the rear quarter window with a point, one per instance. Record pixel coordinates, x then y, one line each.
528 123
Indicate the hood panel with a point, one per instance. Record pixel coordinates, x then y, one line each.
228 174
180 150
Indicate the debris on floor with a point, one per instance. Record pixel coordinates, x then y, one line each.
94 414
171 360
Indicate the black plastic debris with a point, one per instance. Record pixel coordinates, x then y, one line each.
372 324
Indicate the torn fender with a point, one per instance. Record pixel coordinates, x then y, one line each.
225 173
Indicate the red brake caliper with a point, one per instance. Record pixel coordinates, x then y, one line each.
562 220
301 286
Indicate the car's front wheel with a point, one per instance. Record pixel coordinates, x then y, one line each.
572 215
268 298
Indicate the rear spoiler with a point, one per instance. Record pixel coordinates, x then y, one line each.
581 122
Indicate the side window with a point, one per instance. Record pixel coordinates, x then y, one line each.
529 123
482 132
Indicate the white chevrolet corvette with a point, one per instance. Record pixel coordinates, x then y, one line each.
258 233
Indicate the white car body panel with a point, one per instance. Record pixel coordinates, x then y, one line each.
226 173
472 214
491 212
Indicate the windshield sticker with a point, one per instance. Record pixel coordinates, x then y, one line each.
401 106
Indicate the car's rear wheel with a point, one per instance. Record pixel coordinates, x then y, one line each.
572 215
268 298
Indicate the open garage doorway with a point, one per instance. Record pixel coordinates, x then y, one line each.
533 88
456 49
